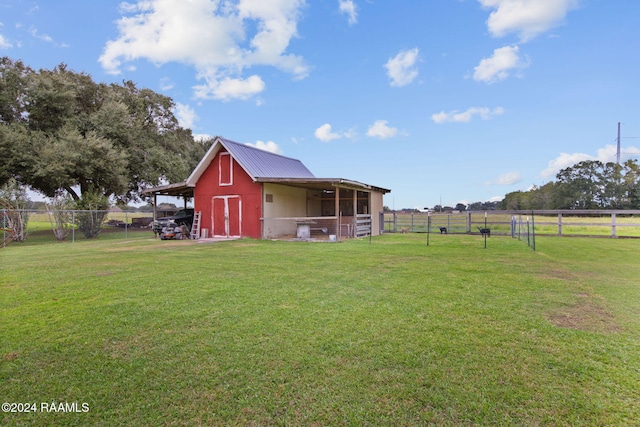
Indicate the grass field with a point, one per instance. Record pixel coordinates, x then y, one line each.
393 332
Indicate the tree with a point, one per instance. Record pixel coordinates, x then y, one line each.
580 184
545 197
612 191
592 184
482 206
14 217
631 184
93 212
13 82
589 184
513 201
59 130
60 215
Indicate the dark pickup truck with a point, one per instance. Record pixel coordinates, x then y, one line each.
182 217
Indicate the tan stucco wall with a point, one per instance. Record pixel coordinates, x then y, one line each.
287 202
377 206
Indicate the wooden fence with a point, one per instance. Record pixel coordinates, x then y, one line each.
604 223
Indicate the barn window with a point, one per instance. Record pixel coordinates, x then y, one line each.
268 198
226 169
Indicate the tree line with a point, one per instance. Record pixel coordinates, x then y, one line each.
590 184
88 143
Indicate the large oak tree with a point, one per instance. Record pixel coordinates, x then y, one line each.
62 132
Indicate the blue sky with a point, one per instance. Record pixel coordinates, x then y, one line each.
440 101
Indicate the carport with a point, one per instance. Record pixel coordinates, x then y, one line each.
179 189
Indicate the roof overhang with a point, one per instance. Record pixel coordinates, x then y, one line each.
178 189
324 183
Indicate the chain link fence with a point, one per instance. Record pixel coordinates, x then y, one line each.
38 226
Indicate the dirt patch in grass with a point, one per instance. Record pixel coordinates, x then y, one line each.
587 314
559 274
127 348
10 356
104 273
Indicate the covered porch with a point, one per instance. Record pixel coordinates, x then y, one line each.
322 209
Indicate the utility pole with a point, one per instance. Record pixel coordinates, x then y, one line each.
618 150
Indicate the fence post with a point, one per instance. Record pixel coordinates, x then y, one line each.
533 230
4 227
485 227
126 224
520 227
73 226
613 225
559 224
428 226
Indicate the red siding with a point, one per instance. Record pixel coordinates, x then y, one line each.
249 192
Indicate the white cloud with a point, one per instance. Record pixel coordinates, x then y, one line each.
527 18
455 116
186 115
323 133
401 69
220 39
381 129
350 134
348 7
166 84
226 89
4 43
508 178
498 66
44 37
606 154
564 160
270 146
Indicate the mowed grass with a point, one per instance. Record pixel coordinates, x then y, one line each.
392 332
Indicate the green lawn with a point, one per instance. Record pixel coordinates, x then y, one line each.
393 332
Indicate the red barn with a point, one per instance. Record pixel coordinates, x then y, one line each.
241 191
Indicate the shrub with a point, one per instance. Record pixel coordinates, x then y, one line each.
60 216
93 207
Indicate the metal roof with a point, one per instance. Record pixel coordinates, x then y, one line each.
264 164
325 183
176 189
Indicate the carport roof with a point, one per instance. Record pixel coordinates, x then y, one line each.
178 189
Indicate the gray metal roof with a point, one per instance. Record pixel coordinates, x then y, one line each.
263 164
324 183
